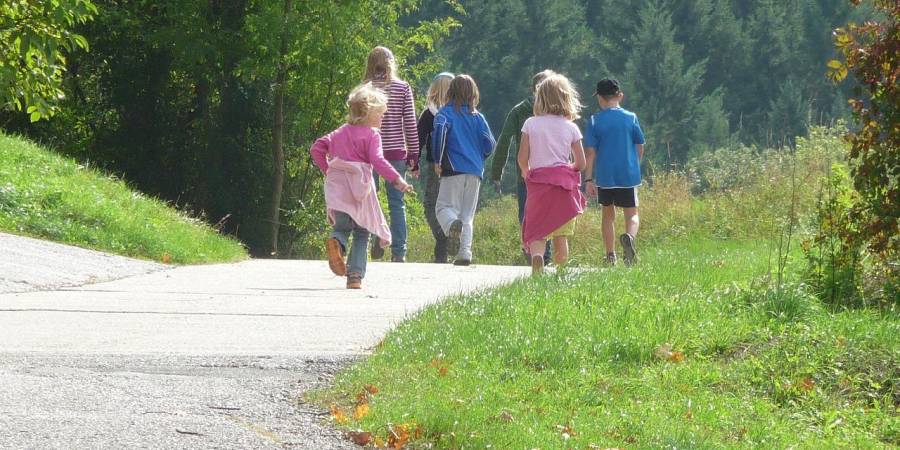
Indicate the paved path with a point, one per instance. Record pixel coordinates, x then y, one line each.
202 356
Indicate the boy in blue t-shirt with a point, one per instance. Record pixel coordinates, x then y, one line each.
614 147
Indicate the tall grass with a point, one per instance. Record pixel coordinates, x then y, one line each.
734 193
48 196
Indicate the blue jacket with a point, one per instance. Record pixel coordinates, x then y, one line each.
461 141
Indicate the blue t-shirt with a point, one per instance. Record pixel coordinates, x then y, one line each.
613 133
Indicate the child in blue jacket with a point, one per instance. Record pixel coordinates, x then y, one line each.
461 142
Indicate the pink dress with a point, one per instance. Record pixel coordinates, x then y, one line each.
347 156
350 189
554 198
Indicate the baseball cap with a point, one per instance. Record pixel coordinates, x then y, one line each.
607 86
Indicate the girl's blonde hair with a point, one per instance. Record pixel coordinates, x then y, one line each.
380 64
363 101
437 92
463 91
556 95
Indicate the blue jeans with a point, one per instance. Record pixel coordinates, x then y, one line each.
397 213
522 195
344 226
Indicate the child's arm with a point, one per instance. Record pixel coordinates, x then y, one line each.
637 135
590 185
383 167
410 130
424 127
319 152
502 150
439 140
487 138
578 152
524 153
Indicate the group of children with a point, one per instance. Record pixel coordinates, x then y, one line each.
382 136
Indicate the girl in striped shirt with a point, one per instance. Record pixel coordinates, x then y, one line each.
399 139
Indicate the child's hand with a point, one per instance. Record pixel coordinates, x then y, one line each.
401 185
437 169
591 188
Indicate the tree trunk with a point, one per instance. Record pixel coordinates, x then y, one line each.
278 138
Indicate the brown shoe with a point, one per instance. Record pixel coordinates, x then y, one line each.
335 257
537 265
398 258
462 262
354 281
377 252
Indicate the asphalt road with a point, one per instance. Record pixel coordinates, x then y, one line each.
191 357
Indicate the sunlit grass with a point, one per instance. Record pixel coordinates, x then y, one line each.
48 196
596 359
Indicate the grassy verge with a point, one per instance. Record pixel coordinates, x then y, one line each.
688 350
48 196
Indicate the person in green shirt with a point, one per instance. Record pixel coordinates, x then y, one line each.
511 135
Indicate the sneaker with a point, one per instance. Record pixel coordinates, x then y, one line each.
627 241
537 265
462 262
398 258
354 281
610 259
453 237
336 256
377 252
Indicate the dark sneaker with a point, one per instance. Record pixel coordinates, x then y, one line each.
453 237
610 259
537 265
354 281
377 251
398 258
630 256
462 262
336 257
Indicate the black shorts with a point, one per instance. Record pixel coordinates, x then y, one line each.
621 197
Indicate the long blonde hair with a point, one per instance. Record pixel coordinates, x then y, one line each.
437 92
556 95
463 91
363 101
380 64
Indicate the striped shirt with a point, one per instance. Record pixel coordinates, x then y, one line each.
399 136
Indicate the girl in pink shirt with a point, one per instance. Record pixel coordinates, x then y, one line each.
551 158
347 157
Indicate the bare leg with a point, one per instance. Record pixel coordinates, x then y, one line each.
609 228
537 247
560 250
632 221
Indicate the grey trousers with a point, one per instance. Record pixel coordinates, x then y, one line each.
457 200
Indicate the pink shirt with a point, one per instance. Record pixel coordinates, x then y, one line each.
550 140
353 143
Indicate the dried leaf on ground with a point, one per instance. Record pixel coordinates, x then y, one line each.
361 411
361 438
398 436
338 415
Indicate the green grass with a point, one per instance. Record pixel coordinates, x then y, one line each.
48 196
576 361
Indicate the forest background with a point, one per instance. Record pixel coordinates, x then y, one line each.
213 105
